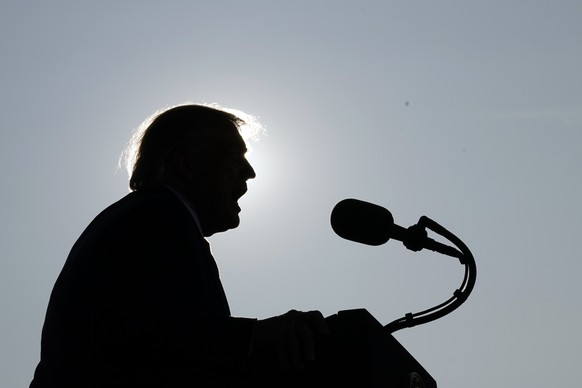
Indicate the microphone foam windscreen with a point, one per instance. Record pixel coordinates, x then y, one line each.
362 222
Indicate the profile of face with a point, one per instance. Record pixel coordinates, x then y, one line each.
220 180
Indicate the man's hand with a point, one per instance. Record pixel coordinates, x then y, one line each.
292 335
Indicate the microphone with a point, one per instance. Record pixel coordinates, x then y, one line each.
370 224
362 222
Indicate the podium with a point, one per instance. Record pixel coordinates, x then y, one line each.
358 352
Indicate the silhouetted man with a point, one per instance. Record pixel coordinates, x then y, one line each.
139 302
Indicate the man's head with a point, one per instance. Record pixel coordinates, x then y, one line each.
198 150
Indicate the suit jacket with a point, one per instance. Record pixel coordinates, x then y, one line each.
139 303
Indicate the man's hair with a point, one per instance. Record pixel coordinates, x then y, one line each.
155 139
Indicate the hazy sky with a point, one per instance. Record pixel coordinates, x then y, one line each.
469 112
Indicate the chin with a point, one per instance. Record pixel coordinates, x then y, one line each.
235 223
230 224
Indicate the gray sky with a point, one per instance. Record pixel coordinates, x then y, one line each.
469 112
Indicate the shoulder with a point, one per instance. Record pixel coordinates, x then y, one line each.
146 215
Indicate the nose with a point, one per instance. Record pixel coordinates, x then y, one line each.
248 170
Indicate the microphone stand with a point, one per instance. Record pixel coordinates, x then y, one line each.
360 351
415 238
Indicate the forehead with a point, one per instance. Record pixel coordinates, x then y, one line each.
226 138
